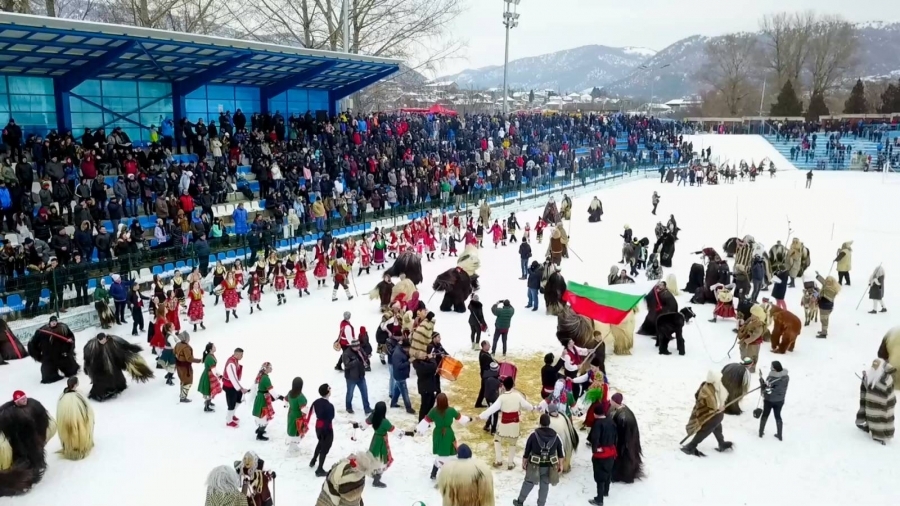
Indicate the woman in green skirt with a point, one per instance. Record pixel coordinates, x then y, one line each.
443 439
262 404
298 422
209 384
380 447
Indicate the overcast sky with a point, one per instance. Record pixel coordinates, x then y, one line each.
552 25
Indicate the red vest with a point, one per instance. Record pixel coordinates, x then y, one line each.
343 341
239 369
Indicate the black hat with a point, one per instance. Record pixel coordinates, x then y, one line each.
54 318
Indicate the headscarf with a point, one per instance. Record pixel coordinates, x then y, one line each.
263 369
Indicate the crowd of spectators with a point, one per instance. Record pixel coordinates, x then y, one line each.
56 198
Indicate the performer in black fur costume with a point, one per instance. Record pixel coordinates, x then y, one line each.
580 329
667 325
457 287
407 263
105 359
695 279
665 248
553 285
730 247
53 345
25 428
736 380
10 346
659 301
629 463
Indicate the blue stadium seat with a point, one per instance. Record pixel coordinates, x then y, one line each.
180 265
92 284
262 203
109 226
153 243
231 255
14 302
212 259
108 280
221 256
254 186
241 252
45 293
157 270
169 267
244 169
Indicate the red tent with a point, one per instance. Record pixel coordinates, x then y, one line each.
439 109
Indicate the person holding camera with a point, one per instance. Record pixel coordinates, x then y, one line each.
774 388
504 316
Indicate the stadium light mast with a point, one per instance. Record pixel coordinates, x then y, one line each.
510 21
650 71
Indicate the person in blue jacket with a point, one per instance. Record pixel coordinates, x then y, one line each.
119 293
240 220
167 130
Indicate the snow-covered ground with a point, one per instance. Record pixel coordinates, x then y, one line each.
731 149
151 448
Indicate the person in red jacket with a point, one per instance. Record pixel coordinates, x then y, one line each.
187 203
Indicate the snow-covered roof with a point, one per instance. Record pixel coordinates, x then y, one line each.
439 84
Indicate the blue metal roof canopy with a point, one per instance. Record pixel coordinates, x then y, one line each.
72 51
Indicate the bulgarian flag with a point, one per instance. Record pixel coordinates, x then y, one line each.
605 306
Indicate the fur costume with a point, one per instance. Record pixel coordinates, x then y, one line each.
24 431
654 271
457 287
553 285
106 317
568 436
551 214
730 247
346 480
470 263
709 398
810 304
407 263
798 258
736 380
75 422
595 211
565 208
629 463
10 346
777 257
105 363
54 348
670 324
404 288
251 470
223 488
744 254
555 249
585 333
466 482
658 301
877 401
420 339
695 279
383 292
665 248
724 301
622 334
787 329
890 351
672 284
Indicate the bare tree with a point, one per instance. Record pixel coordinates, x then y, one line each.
17 6
729 69
786 44
833 54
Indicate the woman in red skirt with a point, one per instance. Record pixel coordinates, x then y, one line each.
157 334
195 306
300 281
254 289
320 271
279 281
237 268
724 301
365 257
349 251
230 290
172 307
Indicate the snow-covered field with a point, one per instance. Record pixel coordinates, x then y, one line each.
150 448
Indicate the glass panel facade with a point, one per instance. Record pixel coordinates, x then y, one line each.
29 101
105 102
208 101
298 101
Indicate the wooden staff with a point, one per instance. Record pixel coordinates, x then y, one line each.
710 417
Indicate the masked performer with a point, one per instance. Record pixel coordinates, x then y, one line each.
466 481
629 464
10 346
105 359
53 345
75 421
25 428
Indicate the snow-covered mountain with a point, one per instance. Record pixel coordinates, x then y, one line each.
565 71
668 74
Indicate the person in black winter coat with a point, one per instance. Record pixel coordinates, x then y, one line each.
491 381
485 359
757 276
602 439
426 382
354 363
524 255
535 273
476 320
774 389
401 365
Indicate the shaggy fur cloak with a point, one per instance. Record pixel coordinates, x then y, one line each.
466 482
629 463
75 422
24 431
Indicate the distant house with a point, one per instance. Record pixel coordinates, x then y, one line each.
683 103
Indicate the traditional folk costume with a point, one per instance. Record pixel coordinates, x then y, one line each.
238 270
365 258
496 233
25 428
629 463
320 270
556 248
301 283
345 482
380 447
75 421
271 262
234 391
724 301
256 480
279 281
341 276
382 292
166 360
254 291
195 307
184 364
443 439
178 288
509 404
105 359
736 380
209 385
379 249
260 268
539 229
172 307
706 417
262 404
230 290
297 421
53 345
466 481
219 272
597 393
877 400
393 245
157 331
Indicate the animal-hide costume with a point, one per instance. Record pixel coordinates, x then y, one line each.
54 348
595 211
24 431
470 263
457 287
551 214
568 436
798 258
730 246
658 301
553 285
654 271
876 402
665 248
404 291
622 334
565 208
777 257
346 481
75 421
890 351
252 471
786 330
106 363
695 279
555 248
106 317
629 463
10 346
383 292
724 301
466 482
409 264
736 380
708 399
668 325
585 333
420 339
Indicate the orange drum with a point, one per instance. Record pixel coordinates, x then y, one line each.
450 368
507 370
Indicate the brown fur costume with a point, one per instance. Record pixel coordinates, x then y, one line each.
890 351
787 328
466 482
75 423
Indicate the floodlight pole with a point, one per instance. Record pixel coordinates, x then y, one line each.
345 14
510 21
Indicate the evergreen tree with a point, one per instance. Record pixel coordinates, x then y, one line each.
531 97
856 103
890 99
787 103
817 108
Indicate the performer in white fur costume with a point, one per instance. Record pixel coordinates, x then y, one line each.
890 351
619 338
466 481
672 284
75 422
